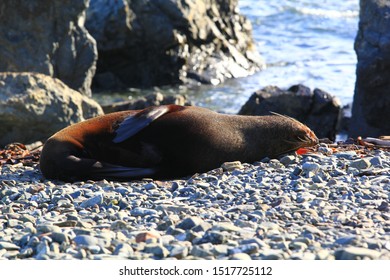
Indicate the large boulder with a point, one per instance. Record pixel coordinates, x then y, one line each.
371 104
317 109
34 106
48 37
151 43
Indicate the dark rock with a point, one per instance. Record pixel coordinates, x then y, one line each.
371 104
150 43
154 99
48 37
31 100
318 109
189 223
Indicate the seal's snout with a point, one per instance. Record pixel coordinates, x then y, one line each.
312 138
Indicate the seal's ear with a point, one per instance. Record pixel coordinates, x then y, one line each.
135 123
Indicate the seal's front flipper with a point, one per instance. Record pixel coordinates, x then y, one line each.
135 123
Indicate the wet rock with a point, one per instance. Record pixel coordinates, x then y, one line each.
48 37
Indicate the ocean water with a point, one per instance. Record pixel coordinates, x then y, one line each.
309 42
301 41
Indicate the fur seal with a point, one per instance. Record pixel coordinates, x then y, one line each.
166 142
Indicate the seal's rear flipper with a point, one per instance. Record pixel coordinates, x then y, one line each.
135 123
85 168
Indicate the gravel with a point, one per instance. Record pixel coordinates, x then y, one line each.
322 205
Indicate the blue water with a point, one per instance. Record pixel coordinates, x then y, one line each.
301 41
308 42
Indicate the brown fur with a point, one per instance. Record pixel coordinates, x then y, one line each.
181 142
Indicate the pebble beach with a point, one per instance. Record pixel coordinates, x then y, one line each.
325 205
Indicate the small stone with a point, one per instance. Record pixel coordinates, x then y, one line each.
76 194
150 186
95 249
346 155
203 226
48 228
96 200
274 163
60 237
189 223
8 246
272 254
179 252
356 253
323 255
26 252
215 237
157 250
85 240
27 218
139 211
147 235
13 223
347 240
360 164
42 249
240 256
287 160
376 161
123 250
67 223
251 248
225 226
300 246
220 250
230 166
202 250
325 151
310 167
118 225
260 243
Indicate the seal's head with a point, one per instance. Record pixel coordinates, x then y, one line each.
295 134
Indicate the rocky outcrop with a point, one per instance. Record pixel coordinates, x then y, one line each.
34 106
147 43
317 109
154 99
371 104
48 37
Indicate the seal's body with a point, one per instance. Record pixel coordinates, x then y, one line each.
166 142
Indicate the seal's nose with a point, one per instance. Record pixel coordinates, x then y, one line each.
312 138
